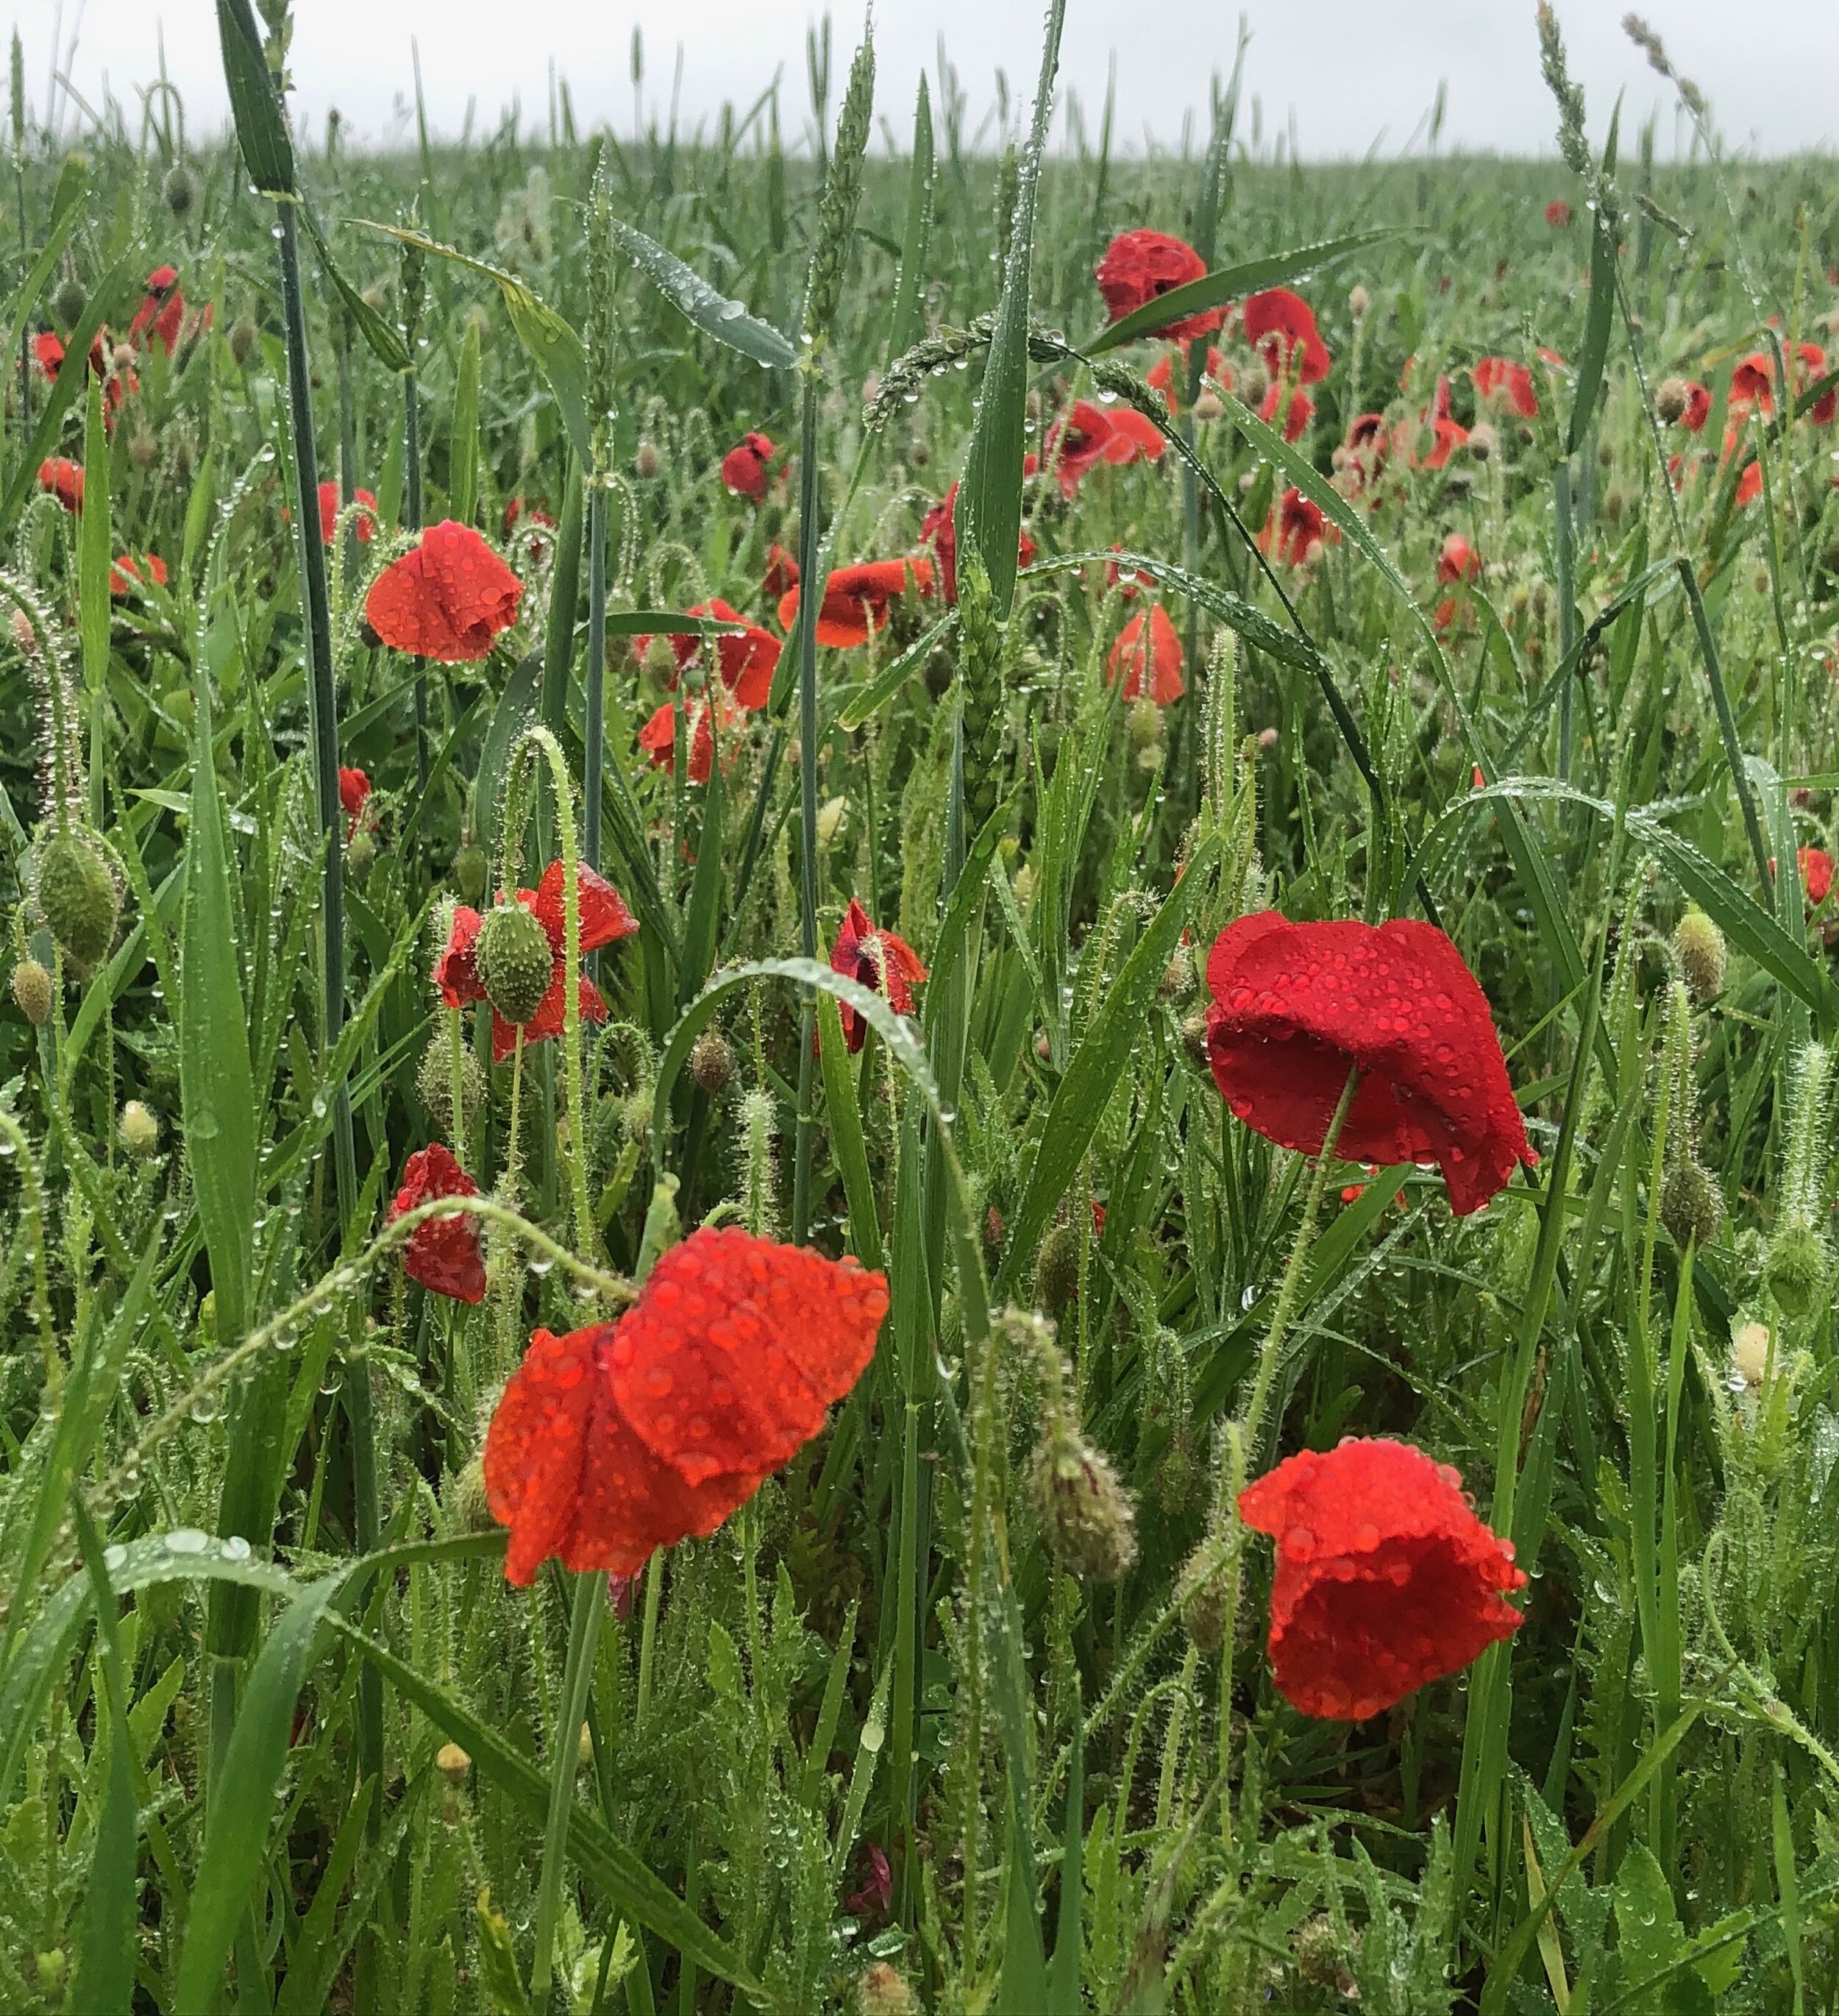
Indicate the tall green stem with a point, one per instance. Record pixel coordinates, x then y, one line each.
412 509
583 1630
807 788
594 681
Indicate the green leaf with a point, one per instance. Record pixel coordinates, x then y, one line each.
462 466
1289 647
1651 1940
261 127
498 1960
1227 283
384 339
990 499
711 312
1598 317
93 558
903 323
847 1148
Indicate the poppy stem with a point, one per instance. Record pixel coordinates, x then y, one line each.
584 1628
654 1586
411 507
594 679
1270 1354
810 600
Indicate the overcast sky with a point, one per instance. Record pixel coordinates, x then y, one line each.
1346 70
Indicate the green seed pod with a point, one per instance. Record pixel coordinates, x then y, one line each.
1056 1268
514 961
1690 1206
32 992
1795 1268
1085 1514
69 301
243 338
469 870
140 1130
180 189
1698 946
78 895
434 1082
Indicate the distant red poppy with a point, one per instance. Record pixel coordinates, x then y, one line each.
878 960
747 659
1697 408
1297 414
1281 326
127 573
1816 874
626 1437
446 599
1749 485
1139 267
1074 442
857 599
354 792
744 468
1810 364
1459 560
1368 444
444 1254
604 918
1506 378
1295 530
1295 1007
63 478
1161 375
1133 435
118 381
1385 1579
161 316
658 737
330 504
1151 664
520 511
781 574
939 529
1752 383
1446 436
1127 582
1558 214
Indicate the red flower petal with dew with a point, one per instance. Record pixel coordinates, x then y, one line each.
1752 383
330 506
63 478
354 790
744 468
1072 444
444 1254
781 574
1139 267
1698 407
859 598
456 975
446 599
1134 434
1296 416
1459 560
1816 874
1385 1578
1154 665
1295 1007
1282 326
1294 527
1502 377
161 315
878 960
127 572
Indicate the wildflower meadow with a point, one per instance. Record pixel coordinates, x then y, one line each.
916 1087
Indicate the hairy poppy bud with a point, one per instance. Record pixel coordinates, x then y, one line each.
360 853
831 817
1752 1350
712 1063
1795 1267
515 961
24 634
453 1764
883 1991
1207 405
143 450
32 991
1056 1268
52 1966
1690 1206
648 461
1205 1584
78 895
242 339
140 1130
180 189
1321 1953
1359 301
1194 1041
68 303
1483 441
1698 946
1178 976
1146 724
467 1510
1084 1512
1670 397
434 1082
660 660
469 870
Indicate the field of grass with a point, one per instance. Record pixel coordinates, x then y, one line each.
922 1629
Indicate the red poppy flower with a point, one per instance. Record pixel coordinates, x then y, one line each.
443 1254
1368 444
63 478
1558 214
353 791
1139 267
446 599
1296 416
1502 377
1133 434
781 574
1459 560
161 315
881 962
1162 375
744 468
626 1437
116 382
1126 583
1749 485
127 572
1152 665
939 529
1446 437
1697 409
857 599
1385 1579
747 659
1752 383
1295 530
1816 874
1296 1005
1810 363
330 506
604 918
1281 326
1074 442
48 351
658 737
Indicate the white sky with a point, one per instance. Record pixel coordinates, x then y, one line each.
1348 70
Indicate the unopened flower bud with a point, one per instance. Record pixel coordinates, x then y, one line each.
1205 1584
514 960
76 893
1690 1206
1483 440
360 853
1698 944
467 1509
648 461
832 817
1670 397
143 450
1794 1269
1359 301
584 1748
1085 1514
434 1082
1750 1351
1207 405
1194 1041
24 634
712 1063
660 660
470 869
69 301
883 1991
242 339
180 189
32 991
453 1764
1056 1268
1145 724
140 1130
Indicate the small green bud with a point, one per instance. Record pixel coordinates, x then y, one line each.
1795 1268
32 992
1056 1268
1698 946
467 1509
469 870
1204 1583
208 1312
1085 1514
360 853
712 1063
434 1082
140 1130
77 894
180 189
69 301
1690 1206
243 338
52 1967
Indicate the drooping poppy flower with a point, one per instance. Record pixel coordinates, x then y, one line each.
1295 1006
1558 214
1749 484
520 511
48 353
658 737
117 380
127 573
1295 530
444 1254
1296 415
939 529
1752 383
1385 1578
1074 442
1816 874
161 319
1698 407
1139 267
1367 443
881 962
1502 377
330 504
604 918
354 793
1133 435
1459 560
1148 657
781 574
1810 364
1281 326
446 599
626 1437
744 468
1446 436
63 478
858 599
747 658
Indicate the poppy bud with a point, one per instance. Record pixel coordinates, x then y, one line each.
434 1082
1320 1954
24 634
77 894
584 1748
1690 1206
1146 724
515 961
242 339
453 1764
1671 399
1257 382
68 303
1207 405
1751 1348
361 854
831 817
1194 1041
32 991
883 1991
468 1511
469 870
1056 1268
52 1967
143 450
1795 1267
207 1313
647 462
180 189
1698 946
140 1130
659 659
1359 301
1207 1585
1483 441
1085 1514
712 1063
1178 976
